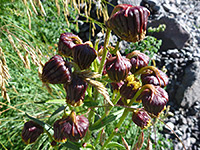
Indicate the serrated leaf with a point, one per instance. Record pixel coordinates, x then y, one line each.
117 145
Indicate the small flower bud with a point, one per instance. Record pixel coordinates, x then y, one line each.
76 90
154 99
130 87
141 118
117 67
116 85
122 102
56 71
31 131
66 43
157 78
84 55
72 127
138 60
129 22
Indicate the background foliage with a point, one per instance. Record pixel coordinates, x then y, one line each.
28 39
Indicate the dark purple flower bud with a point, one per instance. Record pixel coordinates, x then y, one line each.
72 127
157 78
154 99
123 102
58 131
66 43
31 131
56 71
141 118
84 55
129 22
130 87
117 67
117 85
76 90
138 60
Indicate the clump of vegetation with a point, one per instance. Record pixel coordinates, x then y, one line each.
60 92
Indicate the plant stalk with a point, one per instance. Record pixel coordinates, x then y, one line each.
105 51
124 115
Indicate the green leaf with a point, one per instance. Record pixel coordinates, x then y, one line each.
72 145
110 118
57 101
117 145
46 126
55 114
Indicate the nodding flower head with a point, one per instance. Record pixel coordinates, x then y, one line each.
138 60
141 118
84 55
116 85
72 127
130 87
75 90
117 67
129 22
31 131
66 43
155 77
154 99
56 71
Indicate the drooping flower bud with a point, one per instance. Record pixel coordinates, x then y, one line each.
117 67
31 131
116 85
129 22
84 55
154 99
56 71
141 118
72 127
157 78
138 60
123 102
130 87
58 131
66 43
75 90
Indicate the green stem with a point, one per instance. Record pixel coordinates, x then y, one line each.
114 100
116 47
51 139
125 113
123 117
104 50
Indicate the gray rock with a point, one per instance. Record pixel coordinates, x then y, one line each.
171 8
188 92
131 2
151 2
175 36
169 126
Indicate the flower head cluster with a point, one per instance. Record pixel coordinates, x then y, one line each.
131 76
59 71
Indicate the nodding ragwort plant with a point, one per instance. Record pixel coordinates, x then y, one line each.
87 72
